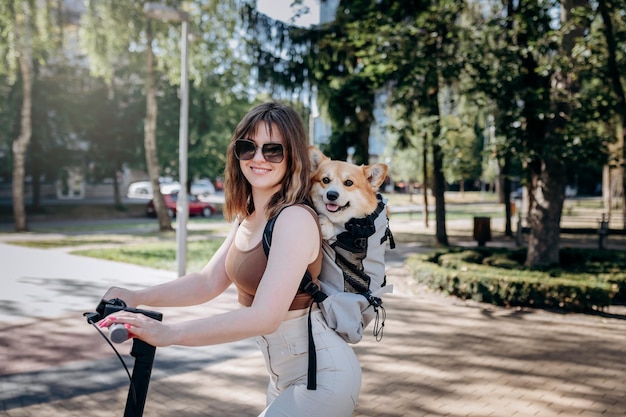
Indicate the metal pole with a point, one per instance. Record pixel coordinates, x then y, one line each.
182 206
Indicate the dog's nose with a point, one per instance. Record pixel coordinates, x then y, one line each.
332 195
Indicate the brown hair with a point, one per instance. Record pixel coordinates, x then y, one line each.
295 184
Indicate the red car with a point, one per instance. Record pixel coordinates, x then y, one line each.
196 207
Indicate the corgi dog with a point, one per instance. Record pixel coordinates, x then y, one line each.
341 191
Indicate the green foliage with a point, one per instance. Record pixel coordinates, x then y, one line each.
113 127
43 20
218 73
110 33
516 57
56 112
589 280
462 156
9 119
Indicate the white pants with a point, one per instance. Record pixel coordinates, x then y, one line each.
286 358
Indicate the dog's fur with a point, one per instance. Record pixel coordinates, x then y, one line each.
341 191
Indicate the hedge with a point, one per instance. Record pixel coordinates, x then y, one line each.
589 281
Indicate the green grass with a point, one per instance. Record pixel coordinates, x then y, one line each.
141 226
91 240
159 255
72 241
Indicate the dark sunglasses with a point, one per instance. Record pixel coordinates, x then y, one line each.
245 149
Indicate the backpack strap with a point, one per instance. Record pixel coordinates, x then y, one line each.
308 286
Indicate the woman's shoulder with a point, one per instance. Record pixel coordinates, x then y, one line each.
297 218
299 211
297 226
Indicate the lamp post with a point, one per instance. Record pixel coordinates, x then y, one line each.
165 13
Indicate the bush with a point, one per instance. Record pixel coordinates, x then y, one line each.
588 280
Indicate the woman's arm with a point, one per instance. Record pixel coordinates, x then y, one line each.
295 244
190 289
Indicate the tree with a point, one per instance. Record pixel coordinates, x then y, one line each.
24 51
9 118
110 28
29 34
533 78
321 61
616 35
112 128
407 46
462 159
55 110
415 50
219 92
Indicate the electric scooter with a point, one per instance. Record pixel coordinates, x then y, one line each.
142 352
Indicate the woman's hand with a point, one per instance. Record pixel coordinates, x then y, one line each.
142 327
123 294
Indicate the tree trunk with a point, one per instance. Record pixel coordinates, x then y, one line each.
548 174
20 145
426 180
546 195
616 80
439 191
439 181
364 124
506 193
363 116
150 145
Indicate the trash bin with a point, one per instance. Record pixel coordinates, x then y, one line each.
482 230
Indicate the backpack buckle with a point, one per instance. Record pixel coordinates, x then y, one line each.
374 301
311 288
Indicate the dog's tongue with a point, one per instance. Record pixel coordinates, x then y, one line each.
332 207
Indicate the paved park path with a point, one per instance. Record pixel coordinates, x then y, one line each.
439 356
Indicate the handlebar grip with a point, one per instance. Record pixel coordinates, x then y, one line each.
118 333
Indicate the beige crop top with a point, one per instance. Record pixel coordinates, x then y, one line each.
245 269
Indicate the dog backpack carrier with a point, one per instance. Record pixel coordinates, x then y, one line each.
352 280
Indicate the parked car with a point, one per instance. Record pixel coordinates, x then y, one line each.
196 207
202 187
140 189
143 189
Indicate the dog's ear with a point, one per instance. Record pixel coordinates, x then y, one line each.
316 157
375 174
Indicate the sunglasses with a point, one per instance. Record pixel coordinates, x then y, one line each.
245 149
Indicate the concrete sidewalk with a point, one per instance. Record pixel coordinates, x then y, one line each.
439 356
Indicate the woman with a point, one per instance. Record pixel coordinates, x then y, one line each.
267 173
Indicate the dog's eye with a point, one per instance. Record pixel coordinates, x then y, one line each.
326 180
348 183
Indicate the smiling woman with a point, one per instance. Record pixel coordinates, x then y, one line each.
313 369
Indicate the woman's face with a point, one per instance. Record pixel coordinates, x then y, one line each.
261 173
